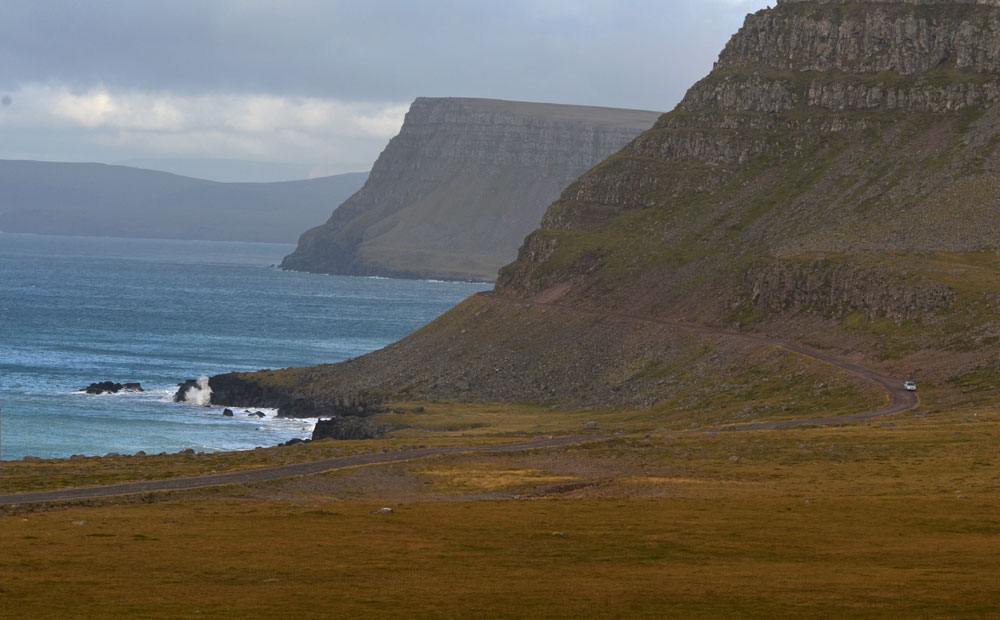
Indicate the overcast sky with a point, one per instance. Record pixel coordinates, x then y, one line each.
323 84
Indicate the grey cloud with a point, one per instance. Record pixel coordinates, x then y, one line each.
205 61
640 53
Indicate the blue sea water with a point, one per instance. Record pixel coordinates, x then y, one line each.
77 310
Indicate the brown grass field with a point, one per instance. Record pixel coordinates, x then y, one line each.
897 519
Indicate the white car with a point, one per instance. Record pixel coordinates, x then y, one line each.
909 385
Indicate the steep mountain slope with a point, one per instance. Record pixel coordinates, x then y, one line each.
839 163
834 181
455 193
118 201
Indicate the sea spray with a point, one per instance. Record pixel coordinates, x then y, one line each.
200 393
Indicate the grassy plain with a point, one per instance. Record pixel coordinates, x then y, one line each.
438 424
897 519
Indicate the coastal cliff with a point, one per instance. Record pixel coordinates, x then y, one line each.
835 180
455 193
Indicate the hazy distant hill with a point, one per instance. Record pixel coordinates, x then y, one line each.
118 201
454 194
224 170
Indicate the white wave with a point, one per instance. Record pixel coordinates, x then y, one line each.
119 393
287 425
475 282
199 394
163 395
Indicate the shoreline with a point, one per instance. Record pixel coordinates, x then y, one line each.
268 414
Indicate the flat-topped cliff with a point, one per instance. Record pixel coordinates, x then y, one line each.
454 194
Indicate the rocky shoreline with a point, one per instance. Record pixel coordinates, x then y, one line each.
346 418
345 428
233 390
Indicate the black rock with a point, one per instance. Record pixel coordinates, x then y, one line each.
110 387
227 412
349 427
180 395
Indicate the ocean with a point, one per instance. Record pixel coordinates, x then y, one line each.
79 310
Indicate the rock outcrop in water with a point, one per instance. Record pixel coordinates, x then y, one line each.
454 194
110 387
835 180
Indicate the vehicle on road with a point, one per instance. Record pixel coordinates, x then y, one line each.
910 385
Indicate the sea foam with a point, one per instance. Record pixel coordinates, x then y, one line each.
199 394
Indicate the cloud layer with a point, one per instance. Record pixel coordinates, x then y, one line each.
334 135
324 80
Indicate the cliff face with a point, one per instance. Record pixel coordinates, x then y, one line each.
854 128
454 194
835 180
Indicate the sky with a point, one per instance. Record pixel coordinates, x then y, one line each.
316 87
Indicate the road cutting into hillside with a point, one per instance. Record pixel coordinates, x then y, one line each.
900 399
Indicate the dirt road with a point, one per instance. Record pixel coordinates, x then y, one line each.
900 399
274 473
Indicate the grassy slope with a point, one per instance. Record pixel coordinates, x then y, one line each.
556 357
902 209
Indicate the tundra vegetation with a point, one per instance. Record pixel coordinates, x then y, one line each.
893 519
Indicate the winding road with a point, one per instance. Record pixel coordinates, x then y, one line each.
266 474
899 400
